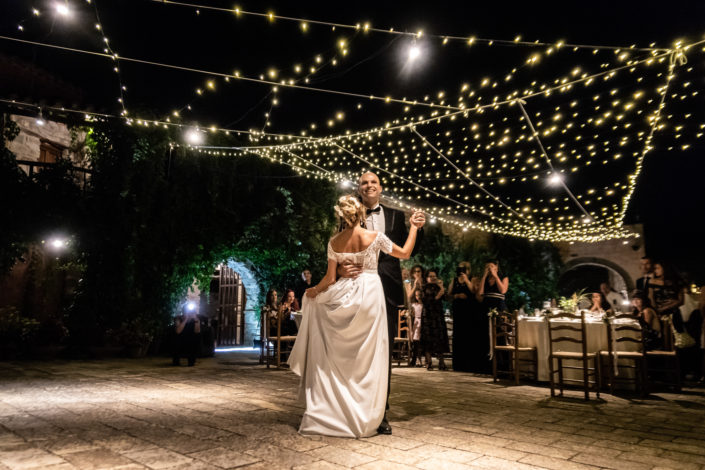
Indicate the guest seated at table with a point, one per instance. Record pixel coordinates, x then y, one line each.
598 303
288 306
613 298
666 295
649 320
269 312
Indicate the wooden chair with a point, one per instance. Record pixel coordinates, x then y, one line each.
621 333
505 340
273 342
402 347
664 363
556 335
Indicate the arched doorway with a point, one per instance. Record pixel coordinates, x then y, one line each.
233 304
589 273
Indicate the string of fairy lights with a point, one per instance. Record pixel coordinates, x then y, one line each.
487 157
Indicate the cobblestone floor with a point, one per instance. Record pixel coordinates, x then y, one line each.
230 412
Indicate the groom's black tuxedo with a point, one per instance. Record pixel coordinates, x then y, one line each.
388 266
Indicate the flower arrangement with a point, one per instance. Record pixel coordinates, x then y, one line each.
570 304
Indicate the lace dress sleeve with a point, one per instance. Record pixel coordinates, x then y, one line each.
384 243
331 253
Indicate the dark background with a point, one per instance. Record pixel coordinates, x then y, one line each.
669 199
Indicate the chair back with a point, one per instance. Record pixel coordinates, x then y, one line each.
624 328
560 324
505 331
403 323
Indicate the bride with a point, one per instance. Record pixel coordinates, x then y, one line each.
342 349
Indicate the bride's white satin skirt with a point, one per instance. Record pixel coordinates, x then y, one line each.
342 355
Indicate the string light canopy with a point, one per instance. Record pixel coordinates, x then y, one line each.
548 149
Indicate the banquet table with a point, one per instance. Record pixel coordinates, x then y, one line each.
533 332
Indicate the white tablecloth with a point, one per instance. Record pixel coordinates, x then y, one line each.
533 332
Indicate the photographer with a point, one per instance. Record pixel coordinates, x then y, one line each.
188 330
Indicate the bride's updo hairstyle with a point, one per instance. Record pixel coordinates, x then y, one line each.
350 210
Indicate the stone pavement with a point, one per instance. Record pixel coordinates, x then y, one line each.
230 412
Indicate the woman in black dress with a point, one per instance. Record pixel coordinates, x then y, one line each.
460 292
493 286
666 297
434 334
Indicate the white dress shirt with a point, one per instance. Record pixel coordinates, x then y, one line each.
375 220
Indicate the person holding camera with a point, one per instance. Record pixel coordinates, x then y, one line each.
188 335
461 292
434 334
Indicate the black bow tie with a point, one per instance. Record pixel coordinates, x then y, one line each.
376 210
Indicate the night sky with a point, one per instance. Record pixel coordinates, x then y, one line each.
669 198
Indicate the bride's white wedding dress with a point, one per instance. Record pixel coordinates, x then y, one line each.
341 351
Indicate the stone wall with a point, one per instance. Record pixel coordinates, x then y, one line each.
621 256
252 307
27 144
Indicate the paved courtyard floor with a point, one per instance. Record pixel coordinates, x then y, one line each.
230 412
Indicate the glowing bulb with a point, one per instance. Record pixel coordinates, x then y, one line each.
194 137
63 9
58 243
555 179
414 52
190 306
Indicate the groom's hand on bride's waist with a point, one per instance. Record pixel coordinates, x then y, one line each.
348 269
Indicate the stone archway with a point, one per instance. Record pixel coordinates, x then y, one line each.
252 307
618 278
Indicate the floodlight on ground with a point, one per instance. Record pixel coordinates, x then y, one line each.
40 119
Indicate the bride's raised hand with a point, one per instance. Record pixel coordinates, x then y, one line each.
417 219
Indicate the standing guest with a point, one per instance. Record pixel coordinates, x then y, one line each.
460 290
434 333
406 279
648 319
490 293
269 312
701 307
416 280
304 283
288 306
647 271
666 295
188 329
415 314
493 287
613 298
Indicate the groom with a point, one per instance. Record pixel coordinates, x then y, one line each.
393 224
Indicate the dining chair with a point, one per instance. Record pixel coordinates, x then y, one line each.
560 325
402 347
505 341
664 365
624 328
273 342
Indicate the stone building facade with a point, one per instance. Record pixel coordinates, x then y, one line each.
42 140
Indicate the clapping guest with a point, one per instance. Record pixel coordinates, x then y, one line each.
648 319
598 304
434 333
493 287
